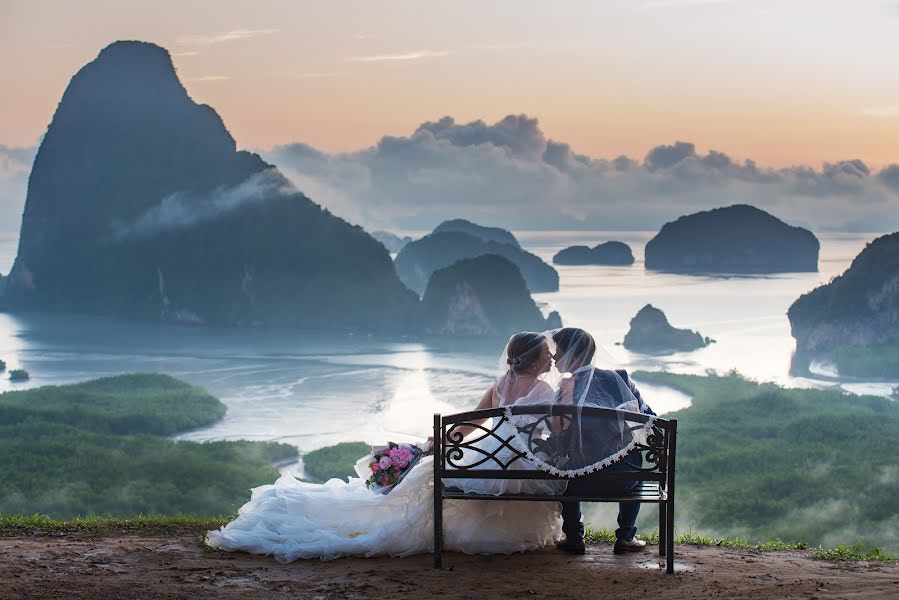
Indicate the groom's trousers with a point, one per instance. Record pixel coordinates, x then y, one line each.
572 520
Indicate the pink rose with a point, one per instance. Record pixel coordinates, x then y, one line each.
401 458
375 467
385 462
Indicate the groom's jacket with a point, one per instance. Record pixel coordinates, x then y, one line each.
592 438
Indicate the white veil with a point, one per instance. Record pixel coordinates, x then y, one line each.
596 415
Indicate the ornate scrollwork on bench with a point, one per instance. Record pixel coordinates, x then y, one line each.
465 446
457 444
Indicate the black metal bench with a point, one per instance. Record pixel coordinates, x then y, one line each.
453 454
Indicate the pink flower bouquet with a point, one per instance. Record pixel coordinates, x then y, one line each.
384 468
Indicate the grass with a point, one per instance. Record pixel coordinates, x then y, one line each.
12 525
855 553
840 553
690 538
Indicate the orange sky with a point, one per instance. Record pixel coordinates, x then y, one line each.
781 82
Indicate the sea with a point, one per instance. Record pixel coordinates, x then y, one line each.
314 390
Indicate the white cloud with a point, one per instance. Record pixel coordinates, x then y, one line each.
509 174
181 209
228 36
407 56
209 78
322 75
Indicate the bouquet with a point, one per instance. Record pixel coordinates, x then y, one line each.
386 466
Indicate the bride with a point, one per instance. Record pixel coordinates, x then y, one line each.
292 519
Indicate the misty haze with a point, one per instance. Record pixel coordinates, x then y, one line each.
255 276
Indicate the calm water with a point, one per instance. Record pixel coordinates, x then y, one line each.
314 390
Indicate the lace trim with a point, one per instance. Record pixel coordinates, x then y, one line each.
589 468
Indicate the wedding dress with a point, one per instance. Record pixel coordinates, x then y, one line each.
292 519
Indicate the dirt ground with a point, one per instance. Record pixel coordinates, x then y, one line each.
178 566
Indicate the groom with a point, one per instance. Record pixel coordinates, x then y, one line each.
574 354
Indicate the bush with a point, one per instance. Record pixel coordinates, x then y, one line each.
19 375
335 461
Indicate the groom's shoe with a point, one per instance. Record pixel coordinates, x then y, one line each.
625 546
575 546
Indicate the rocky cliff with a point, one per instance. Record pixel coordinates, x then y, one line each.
608 253
488 234
651 332
859 308
485 295
139 205
733 239
418 259
391 241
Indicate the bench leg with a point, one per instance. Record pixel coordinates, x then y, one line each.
663 528
669 534
438 526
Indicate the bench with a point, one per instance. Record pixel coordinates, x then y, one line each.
457 457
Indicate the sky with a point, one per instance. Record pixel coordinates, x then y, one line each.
784 82
788 85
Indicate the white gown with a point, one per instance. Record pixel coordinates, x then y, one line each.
292 519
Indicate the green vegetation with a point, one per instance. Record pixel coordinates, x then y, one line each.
594 536
39 524
335 461
872 361
2 365
760 461
19 375
856 553
93 449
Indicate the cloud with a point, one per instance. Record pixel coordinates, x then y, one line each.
417 55
15 165
890 177
182 209
209 78
509 174
322 74
228 36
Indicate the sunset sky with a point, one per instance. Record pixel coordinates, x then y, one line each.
781 82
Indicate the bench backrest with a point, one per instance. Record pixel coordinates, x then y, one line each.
464 456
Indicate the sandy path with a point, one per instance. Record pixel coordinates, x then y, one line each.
178 566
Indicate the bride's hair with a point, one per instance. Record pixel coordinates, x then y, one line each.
523 351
